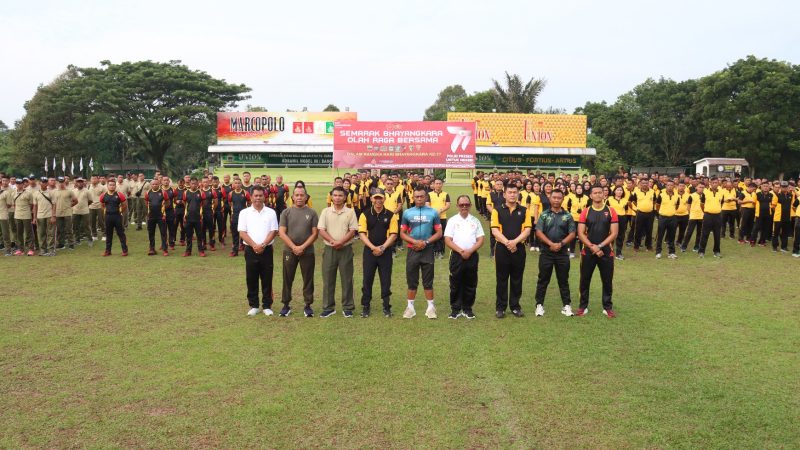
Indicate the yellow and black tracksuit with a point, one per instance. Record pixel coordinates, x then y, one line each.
730 214
667 204
682 216
695 203
747 219
475 184
645 202
782 221
509 266
764 210
494 198
575 204
712 218
437 202
620 206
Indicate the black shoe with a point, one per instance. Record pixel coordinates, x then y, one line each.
365 313
60 247
518 313
285 311
387 312
308 311
500 314
328 313
454 315
71 247
469 315
347 314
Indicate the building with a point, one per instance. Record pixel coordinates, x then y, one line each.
721 167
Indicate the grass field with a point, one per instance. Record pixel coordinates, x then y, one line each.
154 352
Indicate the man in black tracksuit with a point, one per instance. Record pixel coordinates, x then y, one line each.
209 202
763 223
597 228
192 222
180 210
169 211
378 230
238 199
114 206
155 202
783 227
511 226
219 211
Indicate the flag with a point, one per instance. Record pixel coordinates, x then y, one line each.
54 164
80 167
63 165
91 164
45 164
72 167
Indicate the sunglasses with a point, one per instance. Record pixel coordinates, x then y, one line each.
464 205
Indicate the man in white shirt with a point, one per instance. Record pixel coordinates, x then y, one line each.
464 235
258 226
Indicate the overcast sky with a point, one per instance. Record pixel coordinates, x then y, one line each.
388 60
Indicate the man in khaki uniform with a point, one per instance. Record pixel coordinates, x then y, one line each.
80 213
65 199
124 188
138 189
6 197
44 205
96 220
23 215
12 224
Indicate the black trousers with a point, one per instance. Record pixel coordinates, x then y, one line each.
632 232
796 244
667 226
620 241
712 223
152 222
781 232
114 223
695 227
605 264
258 268
464 281
306 261
509 268
194 229
179 212
235 232
383 265
683 222
644 229
748 222
729 221
208 227
763 228
560 261
439 245
172 227
219 222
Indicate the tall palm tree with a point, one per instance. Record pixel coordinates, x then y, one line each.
516 98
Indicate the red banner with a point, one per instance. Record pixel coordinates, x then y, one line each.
403 145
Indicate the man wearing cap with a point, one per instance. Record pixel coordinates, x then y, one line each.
44 205
97 223
23 216
65 199
378 228
80 213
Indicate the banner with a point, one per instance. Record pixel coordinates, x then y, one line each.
308 159
293 128
398 145
526 130
491 161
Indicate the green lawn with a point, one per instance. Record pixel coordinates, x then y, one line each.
154 352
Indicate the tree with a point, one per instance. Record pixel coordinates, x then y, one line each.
516 97
445 102
477 102
150 108
751 109
607 159
332 108
6 149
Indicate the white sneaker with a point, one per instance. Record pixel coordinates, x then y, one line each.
409 313
658 255
430 313
672 256
104 238
567 311
533 249
572 256
539 310
252 312
268 312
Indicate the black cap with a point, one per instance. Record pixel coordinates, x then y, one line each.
377 192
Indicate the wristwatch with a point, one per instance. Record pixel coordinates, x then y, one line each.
427 243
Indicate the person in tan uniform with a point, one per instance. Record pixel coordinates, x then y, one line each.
6 196
80 213
65 199
23 216
44 206
97 223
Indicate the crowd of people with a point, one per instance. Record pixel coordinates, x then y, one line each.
562 217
